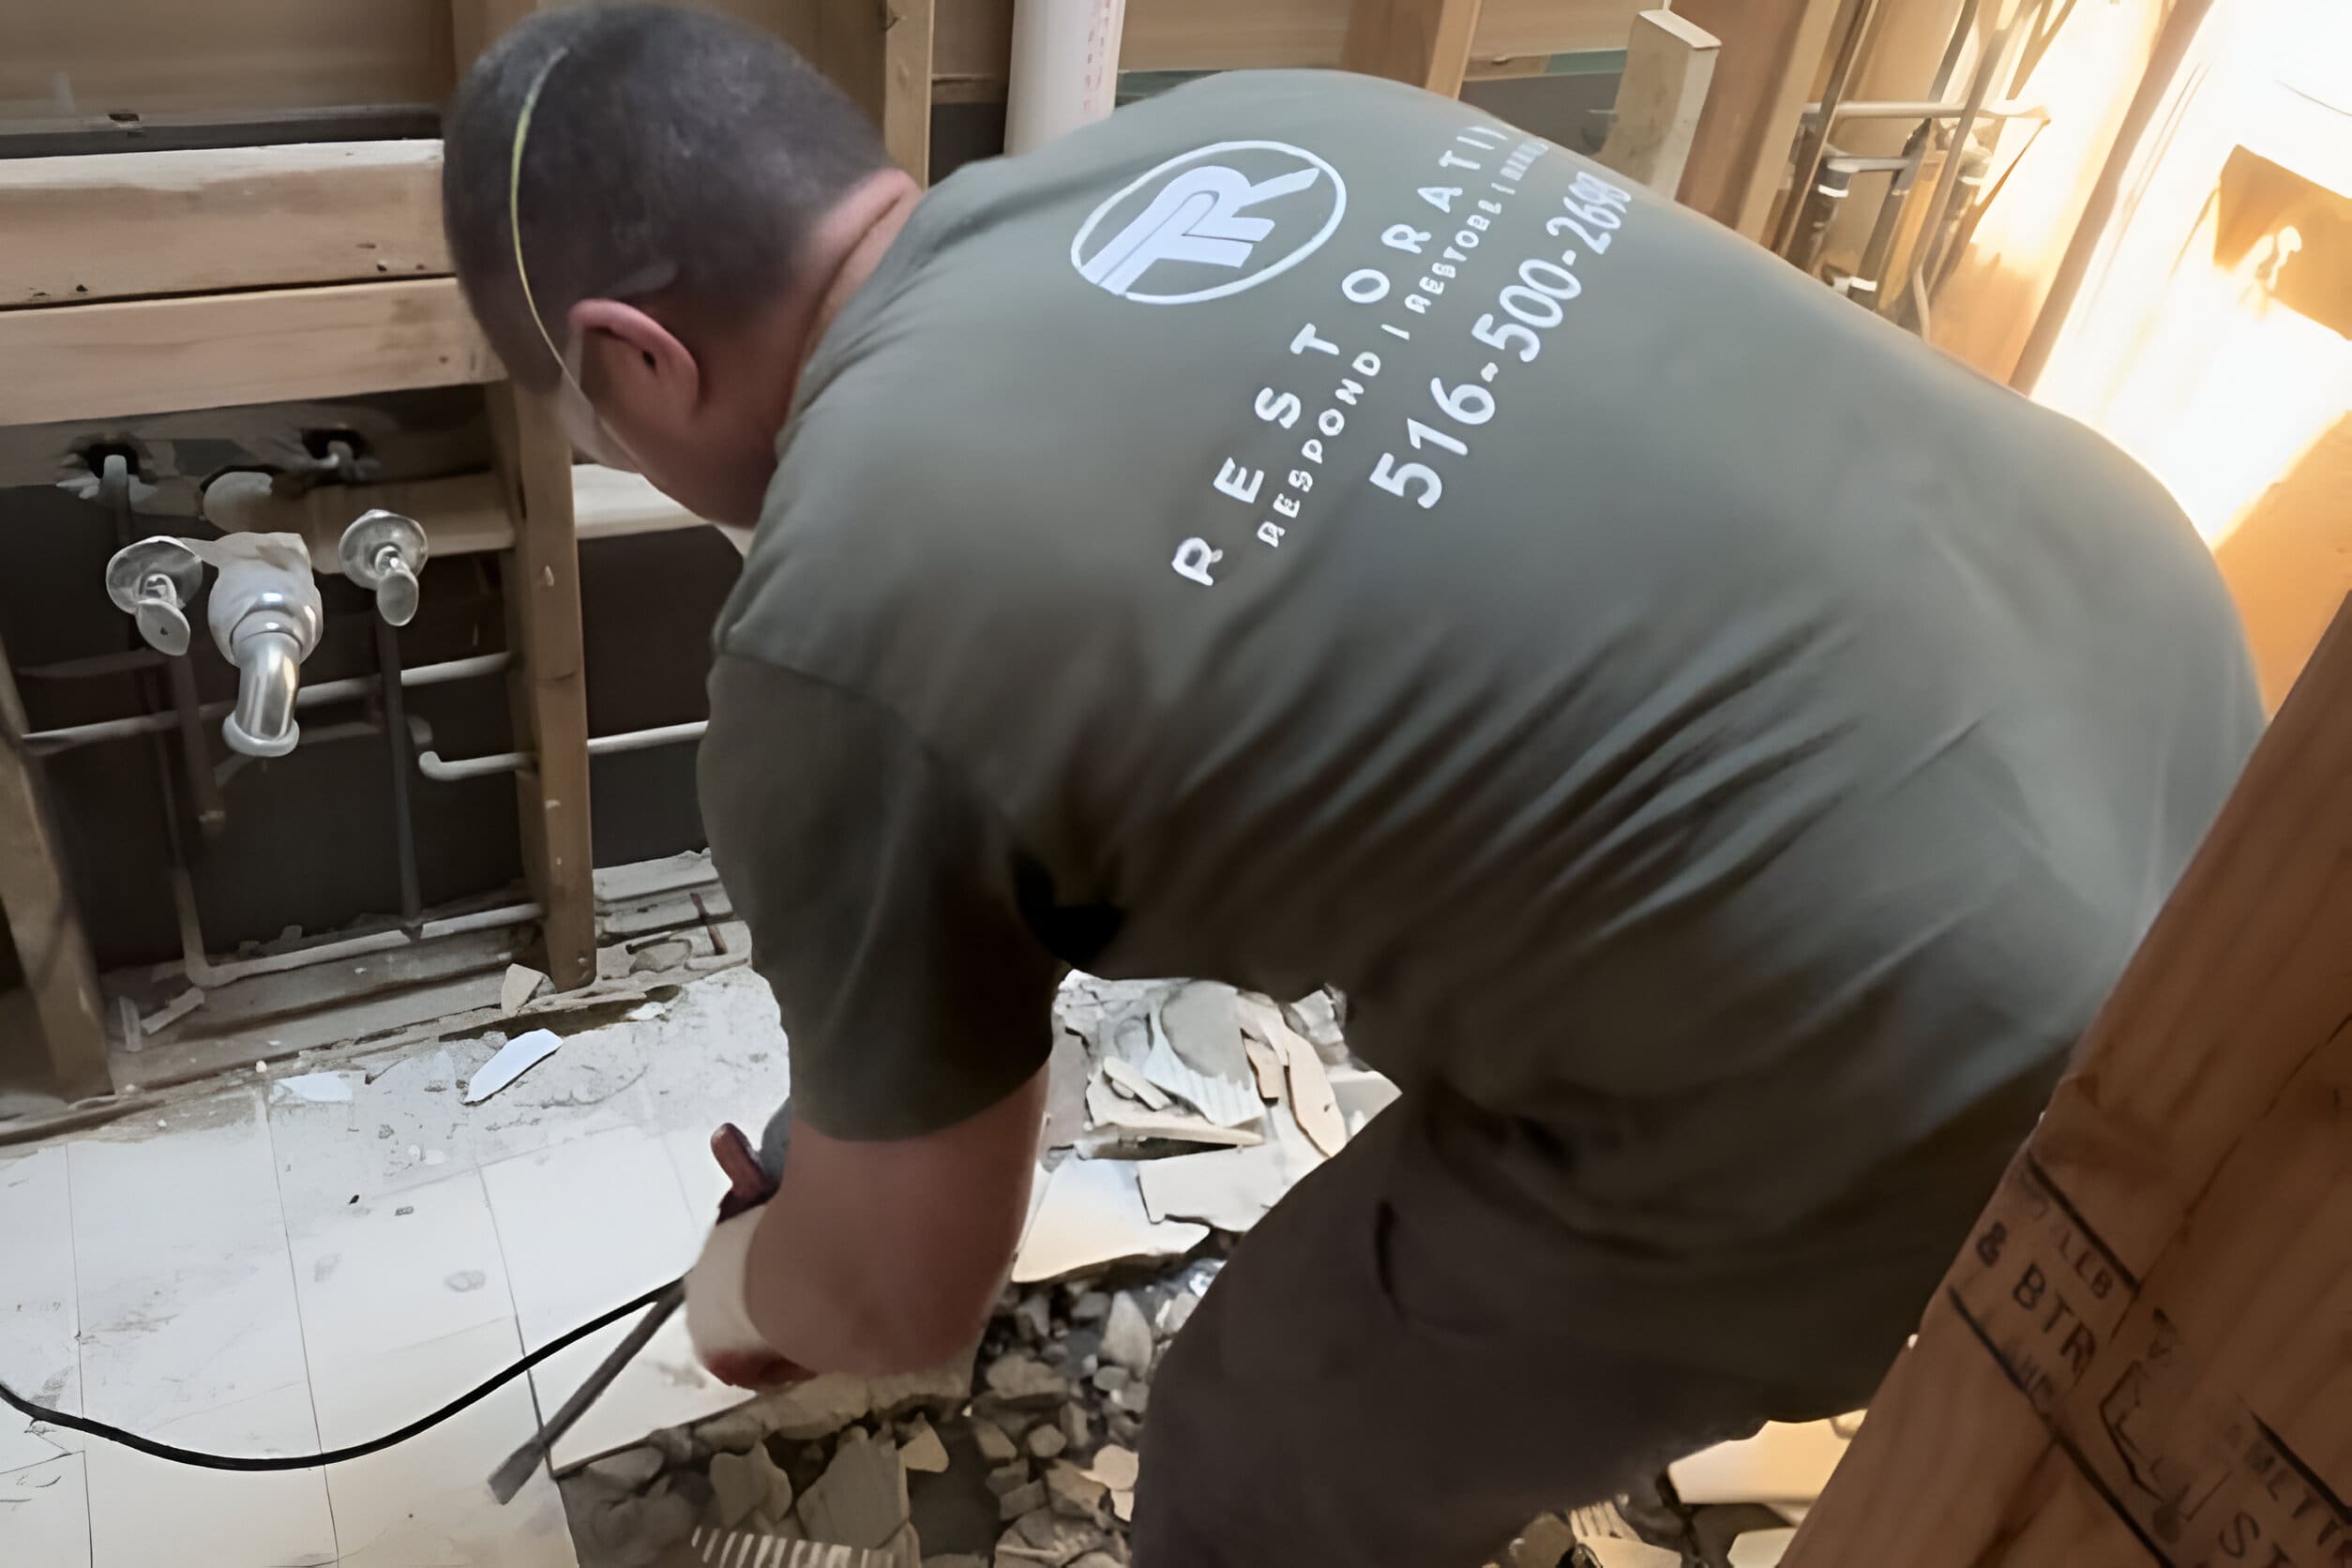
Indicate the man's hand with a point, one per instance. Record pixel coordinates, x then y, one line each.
717 1321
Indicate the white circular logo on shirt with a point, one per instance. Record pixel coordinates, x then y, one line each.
1210 223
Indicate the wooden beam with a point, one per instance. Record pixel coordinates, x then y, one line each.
1426 42
475 24
2140 1356
908 38
213 351
112 225
1669 63
975 36
1772 50
42 920
547 690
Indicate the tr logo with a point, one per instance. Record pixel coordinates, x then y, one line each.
1210 223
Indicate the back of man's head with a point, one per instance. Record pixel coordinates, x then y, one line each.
669 152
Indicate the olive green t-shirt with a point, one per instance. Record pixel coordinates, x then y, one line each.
1303 530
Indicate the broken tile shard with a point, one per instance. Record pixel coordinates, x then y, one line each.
1093 1214
1116 1468
1225 1101
922 1449
1129 1080
860 1498
1127 1336
1311 1099
1122 1120
515 1058
521 983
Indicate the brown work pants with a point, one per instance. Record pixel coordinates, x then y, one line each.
1401 1366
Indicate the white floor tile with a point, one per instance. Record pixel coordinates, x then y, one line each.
45 1514
37 1319
145 1512
427 1502
180 1261
399 1268
584 1227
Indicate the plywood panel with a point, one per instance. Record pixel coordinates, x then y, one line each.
211 350
1426 42
117 224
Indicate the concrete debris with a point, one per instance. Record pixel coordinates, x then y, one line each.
732 1431
1126 1335
1066 1073
515 1058
1074 1494
942 1390
1043 1536
921 1450
818 1408
1116 1468
521 983
1361 1095
1026 1497
312 1089
1110 1380
1035 1315
632 1531
742 1484
1045 1442
995 1447
1009 1478
1129 1080
1076 1432
860 1498
629 1470
1092 1214
1091 1307
955 1560
1024 1383
1122 1505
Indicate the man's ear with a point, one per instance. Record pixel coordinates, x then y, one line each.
632 361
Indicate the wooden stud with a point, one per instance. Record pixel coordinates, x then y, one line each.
1772 50
475 24
2139 1356
906 93
548 691
212 350
1426 42
1669 63
118 224
42 920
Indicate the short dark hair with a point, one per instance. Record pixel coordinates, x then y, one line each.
670 150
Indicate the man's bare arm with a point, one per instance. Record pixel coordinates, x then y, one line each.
887 1256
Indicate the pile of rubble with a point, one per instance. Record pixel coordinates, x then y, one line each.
1178 1115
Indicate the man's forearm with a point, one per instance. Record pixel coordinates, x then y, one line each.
879 1258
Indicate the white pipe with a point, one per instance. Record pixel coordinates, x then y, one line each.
433 765
1065 67
325 691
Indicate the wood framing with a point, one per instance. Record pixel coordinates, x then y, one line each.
42 920
211 350
547 691
117 224
1426 42
1668 65
463 516
910 36
2140 1356
1772 50
974 44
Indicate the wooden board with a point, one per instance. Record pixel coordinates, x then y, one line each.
547 692
1426 42
2141 1355
462 516
103 57
1771 50
1669 63
42 920
117 224
212 350
975 36
906 94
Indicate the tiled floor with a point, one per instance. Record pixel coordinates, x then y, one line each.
264 1273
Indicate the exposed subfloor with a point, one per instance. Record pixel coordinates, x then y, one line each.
280 1266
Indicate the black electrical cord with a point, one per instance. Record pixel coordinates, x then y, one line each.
332 1457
